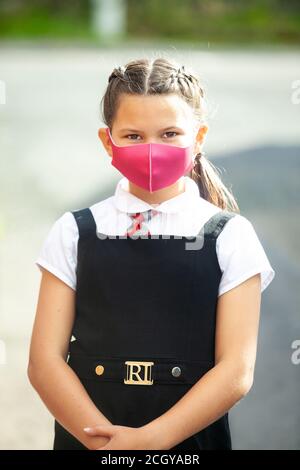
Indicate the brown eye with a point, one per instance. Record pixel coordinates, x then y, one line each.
130 135
172 132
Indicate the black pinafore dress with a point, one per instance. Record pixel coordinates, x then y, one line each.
144 329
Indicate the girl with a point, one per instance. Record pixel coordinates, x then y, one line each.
147 318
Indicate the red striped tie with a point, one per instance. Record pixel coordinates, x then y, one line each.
139 223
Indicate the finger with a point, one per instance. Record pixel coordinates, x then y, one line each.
104 448
101 429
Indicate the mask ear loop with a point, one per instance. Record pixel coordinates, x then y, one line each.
197 157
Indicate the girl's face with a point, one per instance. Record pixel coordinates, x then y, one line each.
159 119
155 118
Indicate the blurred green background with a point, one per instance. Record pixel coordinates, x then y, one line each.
219 21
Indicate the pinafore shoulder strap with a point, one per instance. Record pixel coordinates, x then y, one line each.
85 222
214 226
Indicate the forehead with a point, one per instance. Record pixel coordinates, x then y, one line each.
141 111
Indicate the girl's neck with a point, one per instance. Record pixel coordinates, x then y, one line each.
158 196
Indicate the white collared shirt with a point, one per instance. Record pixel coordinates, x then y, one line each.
239 250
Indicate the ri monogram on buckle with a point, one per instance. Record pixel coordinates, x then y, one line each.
133 370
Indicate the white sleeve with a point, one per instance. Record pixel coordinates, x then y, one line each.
241 255
58 253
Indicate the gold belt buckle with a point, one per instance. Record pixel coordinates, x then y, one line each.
146 367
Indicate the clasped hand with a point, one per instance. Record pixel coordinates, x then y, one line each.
123 437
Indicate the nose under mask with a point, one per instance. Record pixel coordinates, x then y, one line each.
152 166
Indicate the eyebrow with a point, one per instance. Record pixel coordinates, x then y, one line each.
162 130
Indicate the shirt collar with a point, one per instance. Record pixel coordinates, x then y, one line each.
125 201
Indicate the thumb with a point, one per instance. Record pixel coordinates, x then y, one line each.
100 430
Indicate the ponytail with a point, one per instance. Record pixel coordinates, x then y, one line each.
211 188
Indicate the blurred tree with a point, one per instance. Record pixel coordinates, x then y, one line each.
211 21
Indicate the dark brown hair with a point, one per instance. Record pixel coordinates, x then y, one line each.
164 76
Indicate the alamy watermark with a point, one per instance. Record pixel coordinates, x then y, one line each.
2 352
2 92
192 242
295 97
295 357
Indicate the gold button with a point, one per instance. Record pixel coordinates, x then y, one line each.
99 370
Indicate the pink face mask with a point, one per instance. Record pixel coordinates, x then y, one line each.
152 166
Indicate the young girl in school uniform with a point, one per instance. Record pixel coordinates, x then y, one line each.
148 311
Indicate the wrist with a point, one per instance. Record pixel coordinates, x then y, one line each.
154 436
